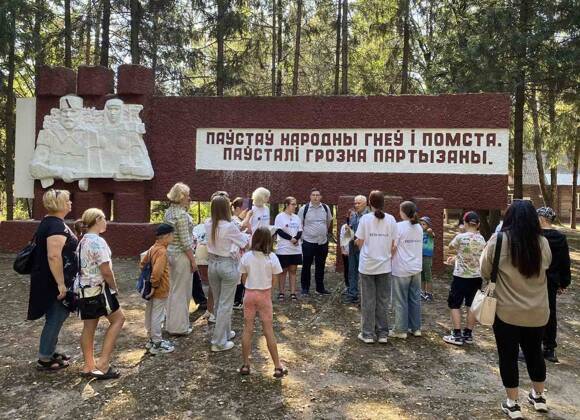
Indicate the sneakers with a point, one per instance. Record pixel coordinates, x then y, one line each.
323 292
539 402
211 318
162 347
467 337
304 292
231 335
513 412
228 346
394 334
382 340
550 355
149 344
238 305
428 297
366 340
456 340
416 333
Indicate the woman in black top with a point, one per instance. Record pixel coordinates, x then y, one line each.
53 269
559 277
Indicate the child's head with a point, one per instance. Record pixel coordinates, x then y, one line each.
260 196
164 233
471 221
79 228
425 222
262 240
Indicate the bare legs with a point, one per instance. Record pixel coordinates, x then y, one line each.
116 321
268 330
291 272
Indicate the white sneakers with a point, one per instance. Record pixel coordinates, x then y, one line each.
394 334
416 333
366 340
163 346
228 346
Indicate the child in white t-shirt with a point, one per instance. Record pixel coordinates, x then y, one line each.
260 212
258 267
466 278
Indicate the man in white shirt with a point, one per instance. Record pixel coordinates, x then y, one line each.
316 219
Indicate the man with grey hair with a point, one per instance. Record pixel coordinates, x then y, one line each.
360 209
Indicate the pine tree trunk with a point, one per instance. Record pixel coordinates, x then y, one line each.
520 96
36 37
538 146
67 35
274 30
88 29
279 51
337 51
220 38
406 49
344 84
296 68
9 116
97 39
555 201
575 180
105 27
135 7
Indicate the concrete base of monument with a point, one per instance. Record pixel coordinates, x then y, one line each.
124 239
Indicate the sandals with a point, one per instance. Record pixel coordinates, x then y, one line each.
293 297
281 297
100 376
280 372
51 365
61 356
244 370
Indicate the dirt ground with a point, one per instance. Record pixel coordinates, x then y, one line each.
332 374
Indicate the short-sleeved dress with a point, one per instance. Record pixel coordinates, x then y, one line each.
43 287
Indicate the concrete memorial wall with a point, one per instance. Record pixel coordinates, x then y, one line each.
445 151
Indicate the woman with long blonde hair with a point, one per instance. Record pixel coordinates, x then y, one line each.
223 271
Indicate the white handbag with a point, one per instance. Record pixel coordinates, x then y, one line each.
484 304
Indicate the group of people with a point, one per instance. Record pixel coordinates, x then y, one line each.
232 252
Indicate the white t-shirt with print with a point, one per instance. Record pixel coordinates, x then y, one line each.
260 268
227 234
378 236
94 251
469 246
260 217
290 224
408 258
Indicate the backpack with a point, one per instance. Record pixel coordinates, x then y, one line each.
144 281
307 206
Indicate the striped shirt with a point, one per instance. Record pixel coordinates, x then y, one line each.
179 218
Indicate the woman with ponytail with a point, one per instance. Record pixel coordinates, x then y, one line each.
375 236
407 266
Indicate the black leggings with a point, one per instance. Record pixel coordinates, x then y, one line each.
345 267
509 338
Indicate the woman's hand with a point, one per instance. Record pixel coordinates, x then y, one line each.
450 260
294 241
61 291
150 295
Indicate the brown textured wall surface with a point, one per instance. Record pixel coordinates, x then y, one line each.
171 124
124 239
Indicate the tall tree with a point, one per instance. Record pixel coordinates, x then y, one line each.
9 111
136 16
337 49
105 31
406 47
520 93
39 55
296 66
575 179
97 39
344 49
279 51
538 147
88 29
275 5
67 35
220 38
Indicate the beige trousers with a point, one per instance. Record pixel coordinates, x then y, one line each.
154 315
181 278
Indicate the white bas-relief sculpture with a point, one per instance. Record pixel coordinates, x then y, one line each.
78 143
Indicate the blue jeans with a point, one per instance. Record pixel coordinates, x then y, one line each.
353 275
407 303
55 316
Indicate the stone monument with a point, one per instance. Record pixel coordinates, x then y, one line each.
77 143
